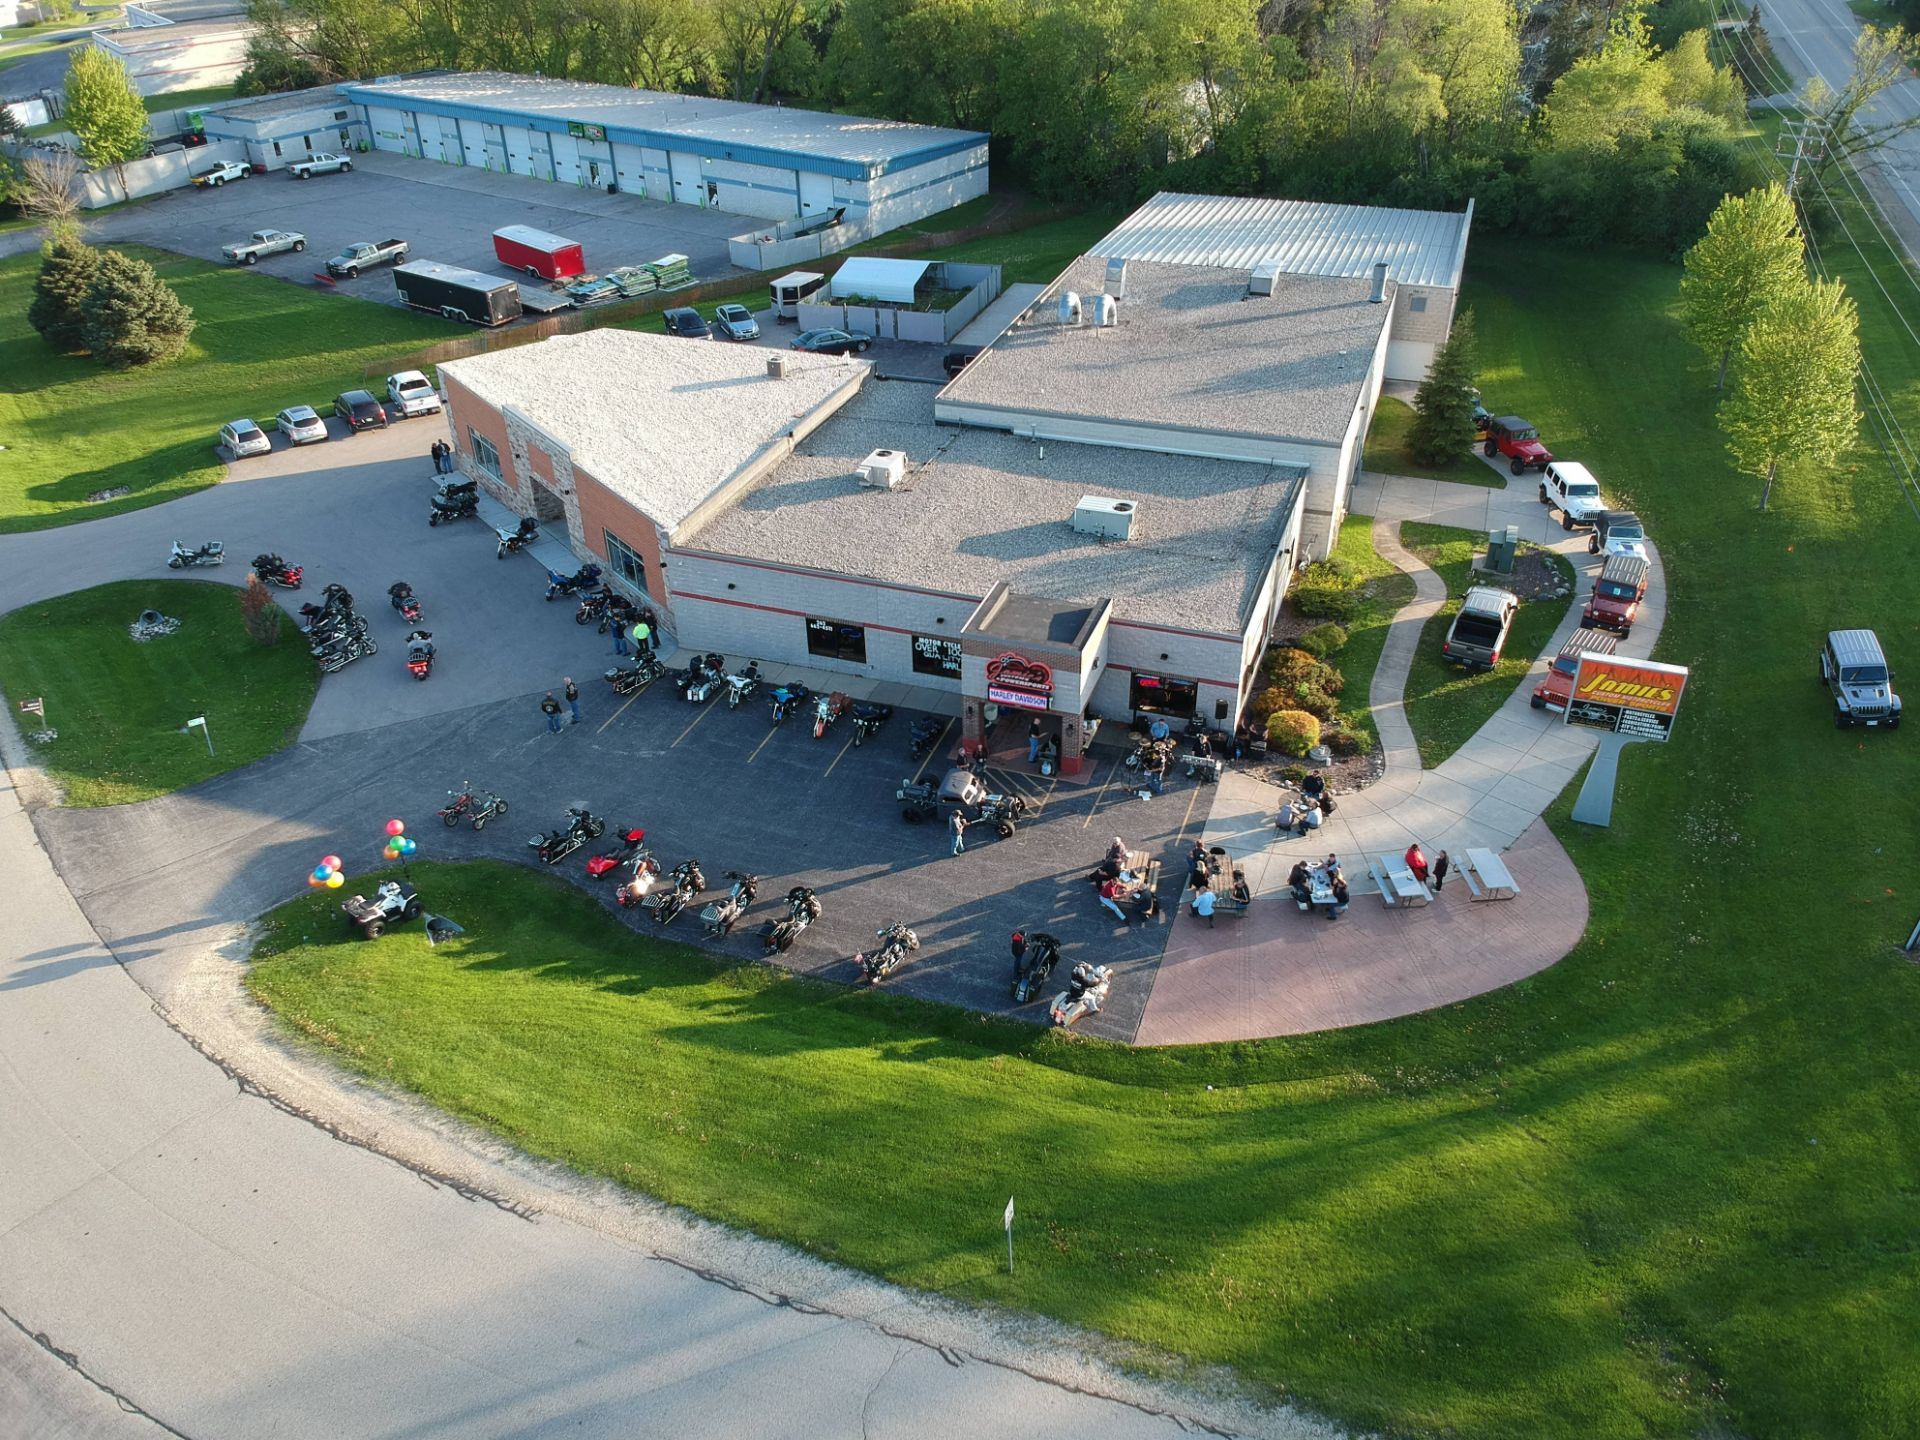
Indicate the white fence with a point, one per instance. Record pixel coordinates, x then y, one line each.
154 175
769 248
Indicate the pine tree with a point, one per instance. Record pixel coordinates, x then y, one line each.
66 274
1793 395
130 317
1442 427
1751 254
104 111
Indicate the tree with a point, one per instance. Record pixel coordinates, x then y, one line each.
752 33
1751 254
258 612
67 271
49 189
1443 405
104 111
1881 59
1793 393
130 317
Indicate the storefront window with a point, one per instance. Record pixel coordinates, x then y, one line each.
484 455
626 564
1160 696
936 655
835 641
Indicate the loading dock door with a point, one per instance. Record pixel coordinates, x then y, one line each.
496 140
540 155
689 185
816 193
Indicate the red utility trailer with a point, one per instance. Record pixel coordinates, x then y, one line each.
539 254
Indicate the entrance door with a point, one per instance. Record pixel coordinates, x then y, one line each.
689 185
496 139
548 508
540 155
816 193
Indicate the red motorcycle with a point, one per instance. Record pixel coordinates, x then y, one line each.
607 861
275 571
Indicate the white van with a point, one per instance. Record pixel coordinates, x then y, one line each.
789 290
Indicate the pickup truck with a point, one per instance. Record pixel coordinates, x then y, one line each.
226 170
364 255
320 162
1569 487
1479 631
263 242
412 394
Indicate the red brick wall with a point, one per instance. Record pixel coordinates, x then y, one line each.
466 411
601 510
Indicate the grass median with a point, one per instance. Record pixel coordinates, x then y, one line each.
1384 588
1387 453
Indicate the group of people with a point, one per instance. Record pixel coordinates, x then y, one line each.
1313 806
1203 868
1120 885
442 458
1300 882
1436 873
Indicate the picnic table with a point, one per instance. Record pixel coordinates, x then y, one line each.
1400 888
1487 876
1319 887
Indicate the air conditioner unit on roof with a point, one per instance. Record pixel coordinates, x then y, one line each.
1108 518
883 469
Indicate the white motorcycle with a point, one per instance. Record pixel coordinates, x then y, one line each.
896 943
1085 993
211 553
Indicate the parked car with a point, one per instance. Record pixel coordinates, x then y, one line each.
957 359
264 242
220 174
832 342
1617 532
736 322
1553 692
364 255
1854 669
686 323
1479 632
413 394
243 437
1482 419
321 162
1569 487
1617 593
360 410
301 425
1514 438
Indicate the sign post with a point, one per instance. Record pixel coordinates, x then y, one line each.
1630 700
1009 1223
199 722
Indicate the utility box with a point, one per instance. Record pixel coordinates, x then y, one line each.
883 469
1502 545
1105 517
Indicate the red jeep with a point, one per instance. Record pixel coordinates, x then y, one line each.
1617 593
1519 442
1553 692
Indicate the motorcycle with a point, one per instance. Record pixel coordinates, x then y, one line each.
325 627
803 908
211 553
467 803
554 846
741 687
869 718
454 502
401 595
787 698
704 678
919 800
1086 991
342 650
826 710
420 654
896 943
646 874
1033 965
925 735
604 609
275 571
644 670
607 861
516 539
687 883
722 915
620 614
585 578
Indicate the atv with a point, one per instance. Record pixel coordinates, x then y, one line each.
394 900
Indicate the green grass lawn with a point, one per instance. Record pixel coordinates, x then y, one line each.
1038 253
1446 704
1387 454
73 428
1663 1189
118 704
1385 588
189 99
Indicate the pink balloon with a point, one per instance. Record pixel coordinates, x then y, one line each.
332 862
396 827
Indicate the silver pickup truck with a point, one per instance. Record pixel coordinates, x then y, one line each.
364 255
263 242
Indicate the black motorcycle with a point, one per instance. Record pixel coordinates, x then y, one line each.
869 718
705 677
644 670
275 571
925 735
331 627
1032 965
401 594
896 943
518 539
582 825
420 654
583 579
604 609
687 883
803 908
787 699
721 916
342 650
454 502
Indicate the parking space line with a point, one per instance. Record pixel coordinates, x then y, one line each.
939 747
705 710
623 709
1101 795
772 730
838 758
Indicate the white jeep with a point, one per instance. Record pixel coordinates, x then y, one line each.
1569 487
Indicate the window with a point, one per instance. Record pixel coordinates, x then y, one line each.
835 641
276 147
307 140
484 455
936 655
626 563
1417 304
1161 696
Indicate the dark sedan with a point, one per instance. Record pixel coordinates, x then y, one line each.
360 410
832 342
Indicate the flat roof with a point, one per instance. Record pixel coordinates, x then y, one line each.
1421 247
181 32
660 421
850 145
979 506
1191 351
293 102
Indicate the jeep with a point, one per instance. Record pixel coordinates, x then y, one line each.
1853 668
1519 442
1617 593
1479 631
1553 692
1618 532
1569 487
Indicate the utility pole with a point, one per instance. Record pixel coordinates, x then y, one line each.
1799 143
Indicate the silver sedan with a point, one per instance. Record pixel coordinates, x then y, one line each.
301 425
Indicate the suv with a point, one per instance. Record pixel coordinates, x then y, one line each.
1617 593
1553 692
1853 667
686 323
1569 487
1618 532
1479 631
360 410
1519 442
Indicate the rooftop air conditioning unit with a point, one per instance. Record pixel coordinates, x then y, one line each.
776 367
883 469
1264 279
1108 518
1117 277
1106 310
1070 308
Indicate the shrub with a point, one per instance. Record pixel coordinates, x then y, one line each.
1332 570
1324 600
1316 702
1350 742
1324 640
1266 702
130 317
1292 774
1293 731
1303 682
66 274
258 612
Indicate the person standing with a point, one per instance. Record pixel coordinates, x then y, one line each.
1033 741
1019 947
434 451
1157 771
958 825
619 639
550 708
1417 862
573 699
1440 866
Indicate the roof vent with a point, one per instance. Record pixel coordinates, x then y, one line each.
1117 277
1264 279
1379 282
883 469
776 367
1070 308
1106 310
1108 518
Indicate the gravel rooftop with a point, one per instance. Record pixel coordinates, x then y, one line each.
1190 351
980 505
660 421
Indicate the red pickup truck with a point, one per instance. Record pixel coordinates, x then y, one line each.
1519 442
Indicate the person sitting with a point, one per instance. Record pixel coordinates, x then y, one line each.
1417 862
1147 902
1117 854
1158 730
1314 786
1203 906
1300 882
1241 892
1339 906
1332 866
1310 815
1111 894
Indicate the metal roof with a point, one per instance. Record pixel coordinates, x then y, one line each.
1306 237
877 279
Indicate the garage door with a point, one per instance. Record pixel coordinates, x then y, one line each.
566 157
816 193
389 128
689 187
540 155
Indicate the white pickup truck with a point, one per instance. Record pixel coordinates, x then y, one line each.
263 242
1569 487
412 394
226 170
321 162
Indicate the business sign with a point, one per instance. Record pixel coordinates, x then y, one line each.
1015 680
936 655
1637 699
580 130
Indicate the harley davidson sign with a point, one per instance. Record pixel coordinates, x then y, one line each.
1015 680
1635 698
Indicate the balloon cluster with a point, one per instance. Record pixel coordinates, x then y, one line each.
326 875
399 846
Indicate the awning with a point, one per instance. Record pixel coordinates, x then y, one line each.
876 279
